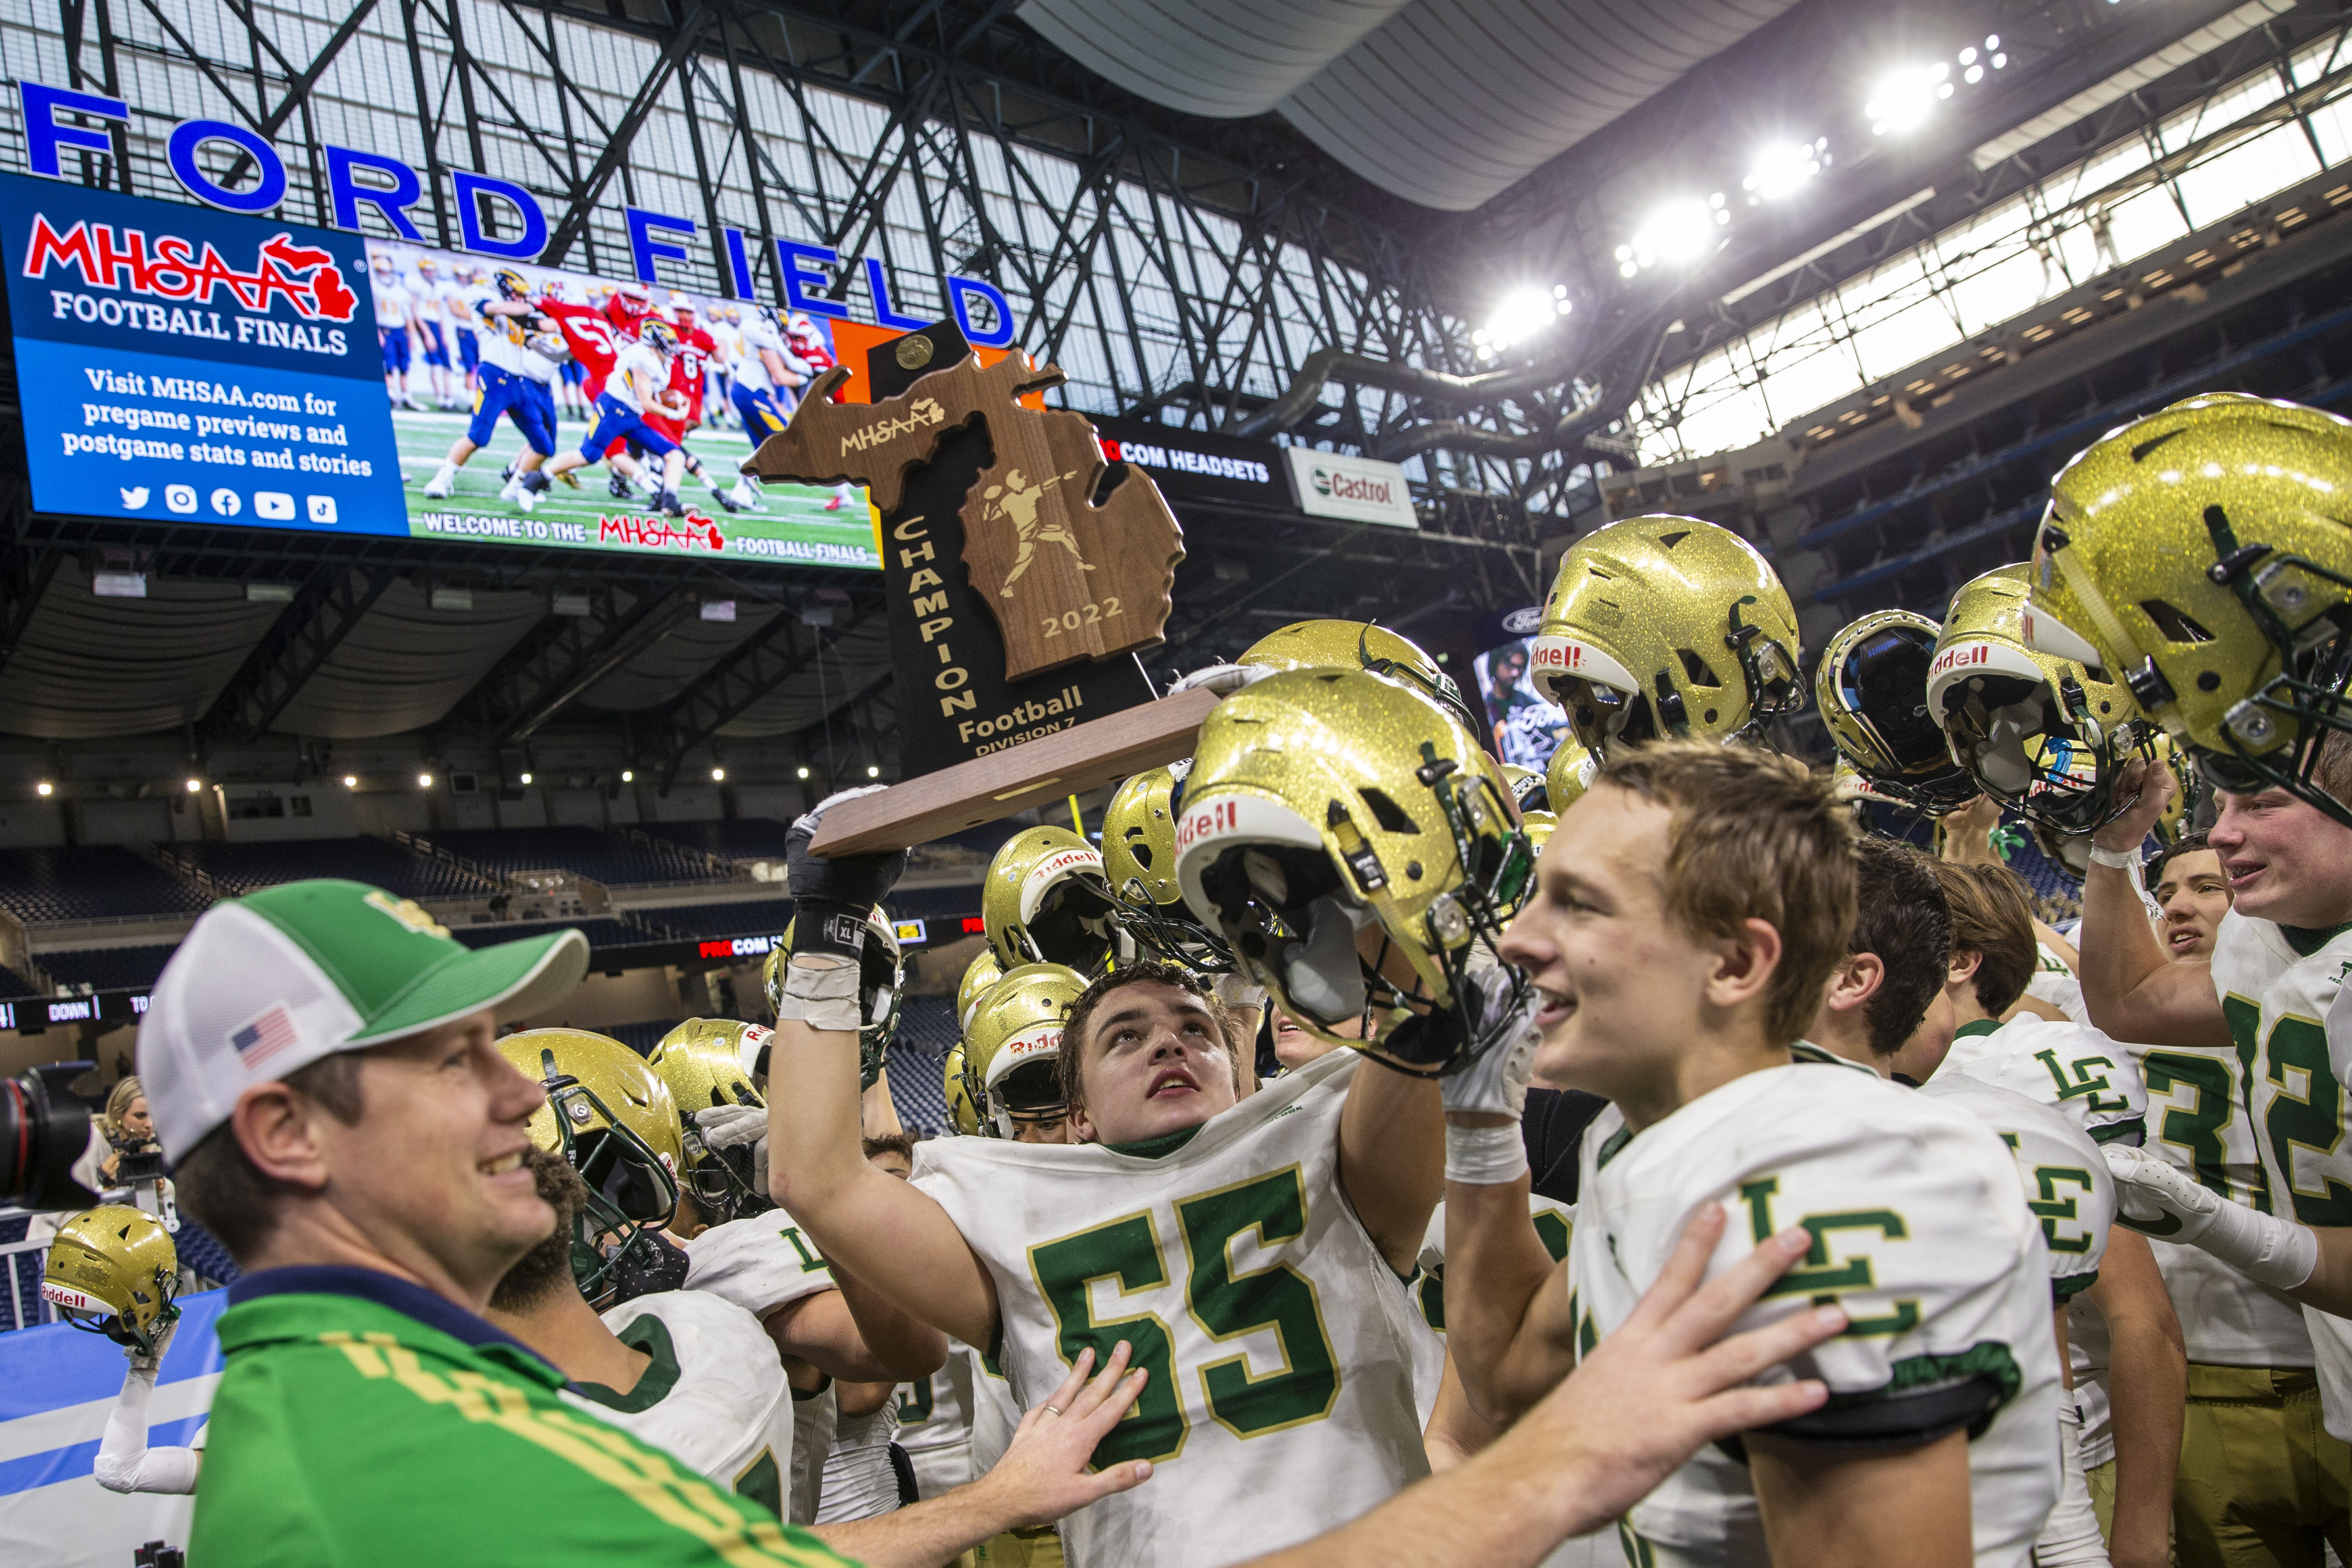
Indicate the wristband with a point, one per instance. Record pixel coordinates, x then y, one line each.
1485 1156
2118 860
822 928
2269 1251
821 991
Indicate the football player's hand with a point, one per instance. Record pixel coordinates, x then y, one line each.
1668 1382
2155 787
1968 832
2154 1197
1494 1079
856 881
147 1364
1043 1475
730 1126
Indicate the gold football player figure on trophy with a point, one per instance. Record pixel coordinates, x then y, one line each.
1019 503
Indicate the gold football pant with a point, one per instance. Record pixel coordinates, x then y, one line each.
2260 1481
1040 1546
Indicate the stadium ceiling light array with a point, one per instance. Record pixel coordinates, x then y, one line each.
1522 314
1684 228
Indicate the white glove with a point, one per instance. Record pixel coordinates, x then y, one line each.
1222 679
732 1127
2154 1197
146 1366
1495 1079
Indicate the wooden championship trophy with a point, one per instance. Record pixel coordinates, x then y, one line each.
1066 583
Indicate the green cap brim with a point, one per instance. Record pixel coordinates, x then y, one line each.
521 977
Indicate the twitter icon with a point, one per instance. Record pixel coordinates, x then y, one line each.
132 499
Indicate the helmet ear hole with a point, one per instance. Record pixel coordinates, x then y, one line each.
1696 670
1392 817
2176 624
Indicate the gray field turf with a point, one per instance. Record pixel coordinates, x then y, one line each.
795 512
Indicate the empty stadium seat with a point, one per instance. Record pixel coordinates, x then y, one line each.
756 917
108 968
601 857
91 881
742 838
601 931
239 868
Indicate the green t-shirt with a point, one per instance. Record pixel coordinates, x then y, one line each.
362 1421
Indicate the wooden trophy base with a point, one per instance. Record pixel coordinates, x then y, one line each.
989 788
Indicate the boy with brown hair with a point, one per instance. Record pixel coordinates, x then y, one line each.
1689 916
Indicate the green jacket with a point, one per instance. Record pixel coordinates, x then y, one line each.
363 1420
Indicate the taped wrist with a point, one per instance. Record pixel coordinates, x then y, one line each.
1485 1156
2267 1249
820 989
823 927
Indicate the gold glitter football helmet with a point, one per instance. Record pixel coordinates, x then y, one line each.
1569 774
707 1063
113 1270
1872 686
1323 801
1012 1051
2042 734
612 1117
1139 840
1046 901
1358 645
982 972
2201 553
963 1115
1663 626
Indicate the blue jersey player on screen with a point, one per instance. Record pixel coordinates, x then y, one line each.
765 377
639 385
517 373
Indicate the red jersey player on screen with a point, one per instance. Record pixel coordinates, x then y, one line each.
588 334
689 365
627 309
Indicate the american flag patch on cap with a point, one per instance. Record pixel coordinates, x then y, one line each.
263 1035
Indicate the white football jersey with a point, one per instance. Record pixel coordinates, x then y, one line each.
1280 1402
935 1424
2054 983
714 1394
394 306
750 369
858 1480
1917 1233
760 1263
2197 1123
2070 1066
2066 1182
2279 989
814 1416
1553 1221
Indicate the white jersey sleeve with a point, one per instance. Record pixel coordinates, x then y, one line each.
935 1424
2056 984
2070 1067
714 1393
859 1480
1554 1222
1280 1402
1918 1233
760 1263
2067 1184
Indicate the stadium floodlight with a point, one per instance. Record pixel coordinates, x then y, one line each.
1780 168
1522 314
44 788
524 777
194 785
718 774
351 780
1681 230
1902 99
804 772
872 771
425 781
628 776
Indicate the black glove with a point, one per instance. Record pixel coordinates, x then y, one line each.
833 895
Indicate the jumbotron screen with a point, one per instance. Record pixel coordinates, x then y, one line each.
180 364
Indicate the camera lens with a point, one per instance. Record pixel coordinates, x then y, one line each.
44 1131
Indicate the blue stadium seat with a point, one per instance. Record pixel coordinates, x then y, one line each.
602 932
241 868
91 882
601 857
755 917
742 838
108 968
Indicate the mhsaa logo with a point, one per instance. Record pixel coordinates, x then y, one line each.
174 268
1960 656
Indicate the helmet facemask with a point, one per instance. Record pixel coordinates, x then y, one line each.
1881 685
632 1192
2037 748
1074 925
1166 930
1291 917
1028 1095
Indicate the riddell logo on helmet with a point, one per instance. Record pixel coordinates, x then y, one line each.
1556 654
1961 656
1037 1042
1216 817
1054 865
67 1296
